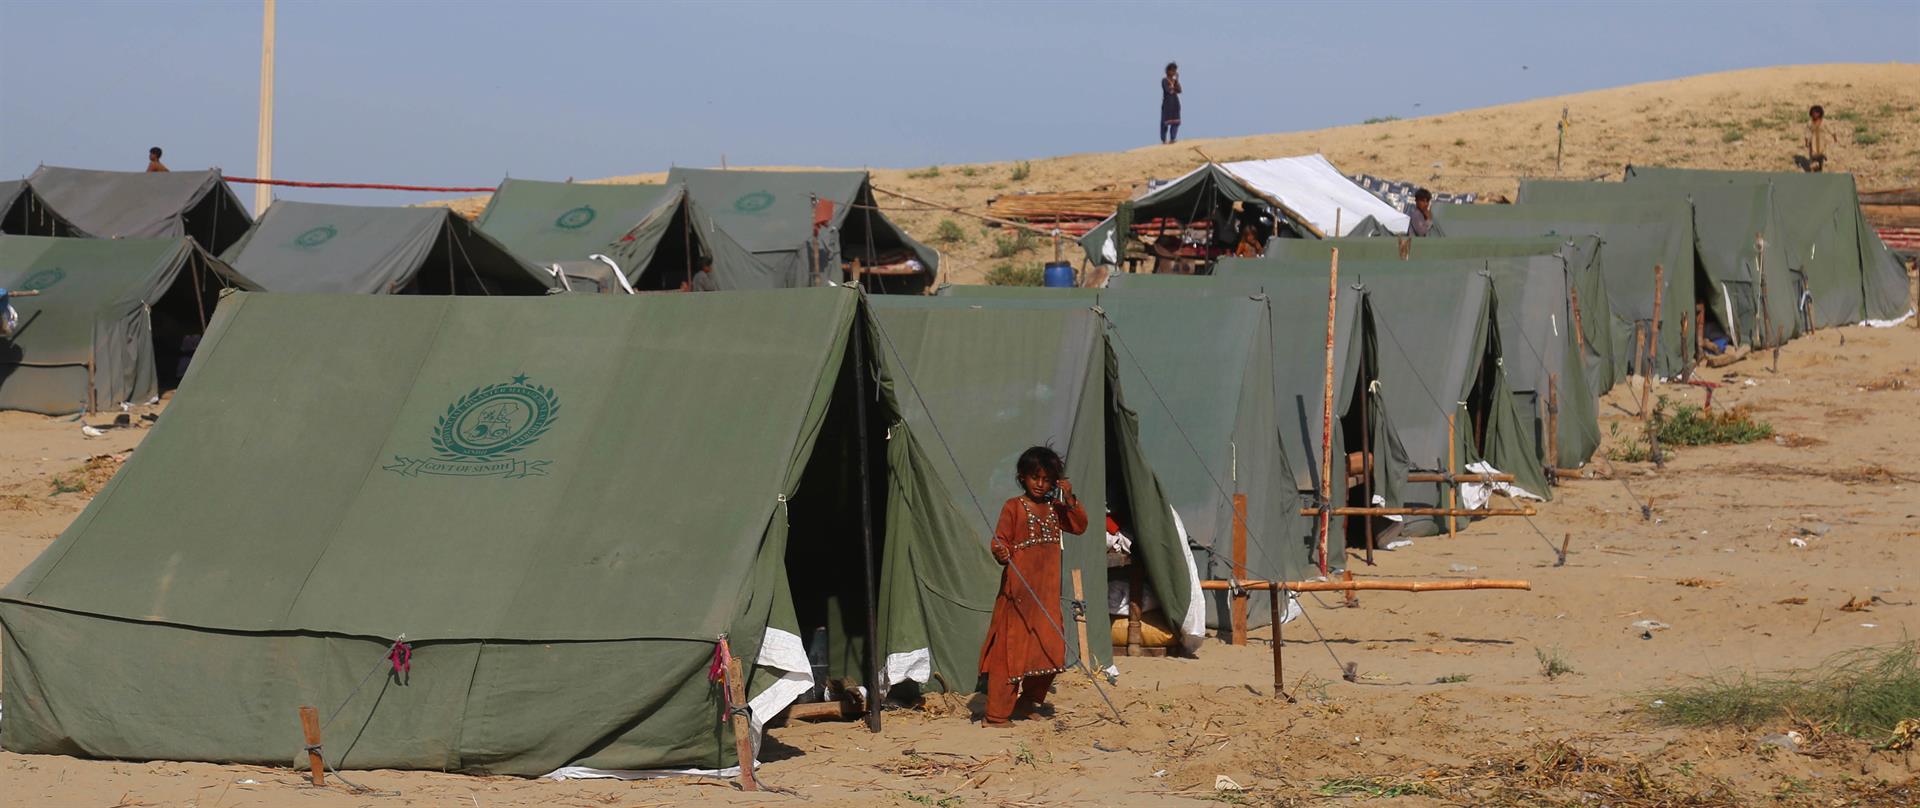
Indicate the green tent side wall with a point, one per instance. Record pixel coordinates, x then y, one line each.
1209 420
358 249
136 204
113 321
770 214
1297 324
1440 348
1737 239
1633 240
1581 253
1851 274
488 479
995 380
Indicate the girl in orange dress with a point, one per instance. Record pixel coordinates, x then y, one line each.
1025 644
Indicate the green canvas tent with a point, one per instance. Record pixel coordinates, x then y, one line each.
996 380
1297 326
1587 306
559 525
114 322
1440 355
1209 421
354 249
1737 240
644 232
776 215
24 213
1298 197
1633 240
1542 355
135 204
1842 268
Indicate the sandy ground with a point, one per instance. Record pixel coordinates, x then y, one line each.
1747 119
1715 563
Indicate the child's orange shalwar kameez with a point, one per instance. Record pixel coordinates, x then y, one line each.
1025 643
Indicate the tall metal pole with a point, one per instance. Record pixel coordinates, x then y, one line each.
263 152
1326 415
874 685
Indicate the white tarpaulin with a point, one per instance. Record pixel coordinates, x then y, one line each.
1310 188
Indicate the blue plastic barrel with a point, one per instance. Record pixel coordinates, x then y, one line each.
1059 275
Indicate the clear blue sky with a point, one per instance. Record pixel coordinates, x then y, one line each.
465 93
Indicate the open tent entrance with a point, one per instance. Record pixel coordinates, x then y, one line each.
888 264
180 319
674 259
826 558
1362 440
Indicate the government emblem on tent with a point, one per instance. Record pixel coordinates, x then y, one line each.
576 218
753 202
480 430
44 279
315 237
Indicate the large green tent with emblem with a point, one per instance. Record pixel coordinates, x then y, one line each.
1843 272
1634 240
993 381
1439 356
643 233
1587 302
136 204
114 322
24 213
482 536
806 227
358 249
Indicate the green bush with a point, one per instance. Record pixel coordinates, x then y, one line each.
924 174
1010 246
1022 170
1691 426
1733 135
1382 119
1867 137
1011 275
949 232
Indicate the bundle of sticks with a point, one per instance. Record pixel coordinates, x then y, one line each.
1059 206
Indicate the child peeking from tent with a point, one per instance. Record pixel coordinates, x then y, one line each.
1026 642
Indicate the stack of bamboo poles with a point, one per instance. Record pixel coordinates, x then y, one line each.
1059 206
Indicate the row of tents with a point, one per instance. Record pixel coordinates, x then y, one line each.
87 346
553 508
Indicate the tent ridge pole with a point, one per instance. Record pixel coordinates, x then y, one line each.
875 690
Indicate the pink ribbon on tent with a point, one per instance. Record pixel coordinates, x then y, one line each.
401 655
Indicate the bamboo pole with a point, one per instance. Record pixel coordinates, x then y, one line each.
1366 463
1352 600
1579 333
980 216
1326 413
1453 491
1472 477
310 729
1640 365
1766 313
1367 586
1238 623
1527 510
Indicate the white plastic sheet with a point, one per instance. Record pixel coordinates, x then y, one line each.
1314 190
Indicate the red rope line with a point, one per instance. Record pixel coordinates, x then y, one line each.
372 185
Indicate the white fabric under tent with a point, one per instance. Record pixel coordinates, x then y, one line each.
1310 188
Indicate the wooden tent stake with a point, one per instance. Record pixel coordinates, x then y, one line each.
1659 294
310 728
1238 635
1080 618
1353 600
742 729
1326 413
1279 639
